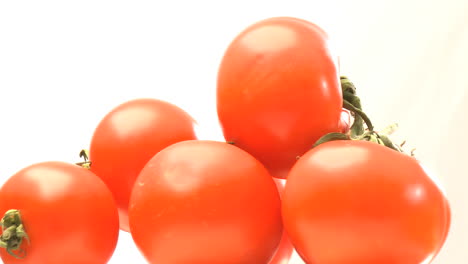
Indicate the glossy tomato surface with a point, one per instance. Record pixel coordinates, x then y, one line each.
345 121
67 211
355 202
128 137
205 202
278 91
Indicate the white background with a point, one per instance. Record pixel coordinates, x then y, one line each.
65 64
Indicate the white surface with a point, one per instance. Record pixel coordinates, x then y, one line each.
64 64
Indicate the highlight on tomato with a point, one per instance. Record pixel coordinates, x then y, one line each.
128 137
345 121
350 201
204 202
56 213
278 91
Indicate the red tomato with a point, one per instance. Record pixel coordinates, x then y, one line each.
279 91
448 214
67 211
284 252
128 137
345 121
448 217
205 202
285 248
358 202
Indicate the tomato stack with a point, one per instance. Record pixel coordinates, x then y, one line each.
301 168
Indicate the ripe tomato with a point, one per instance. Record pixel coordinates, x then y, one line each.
359 202
345 121
67 211
285 248
205 202
448 217
278 91
284 252
448 221
128 137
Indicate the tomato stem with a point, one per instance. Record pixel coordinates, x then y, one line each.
357 128
332 137
86 163
13 233
379 138
347 86
359 116
352 103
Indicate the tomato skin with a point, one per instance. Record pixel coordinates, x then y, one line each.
285 249
448 221
67 211
284 252
205 202
350 202
345 121
278 91
128 137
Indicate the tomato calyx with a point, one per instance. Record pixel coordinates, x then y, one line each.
358 131
84 153
13 233
331 137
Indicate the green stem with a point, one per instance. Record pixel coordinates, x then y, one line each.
352 103
86 163
347 86
13 233
358 114
331 137
388 143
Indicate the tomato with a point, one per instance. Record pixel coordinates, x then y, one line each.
345 121
205 202
448 217
285 249
68 213
278 91
448 221
359 202
128 137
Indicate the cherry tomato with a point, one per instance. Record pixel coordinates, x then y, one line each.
350 202
205 202
278 91
67 212
128 137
